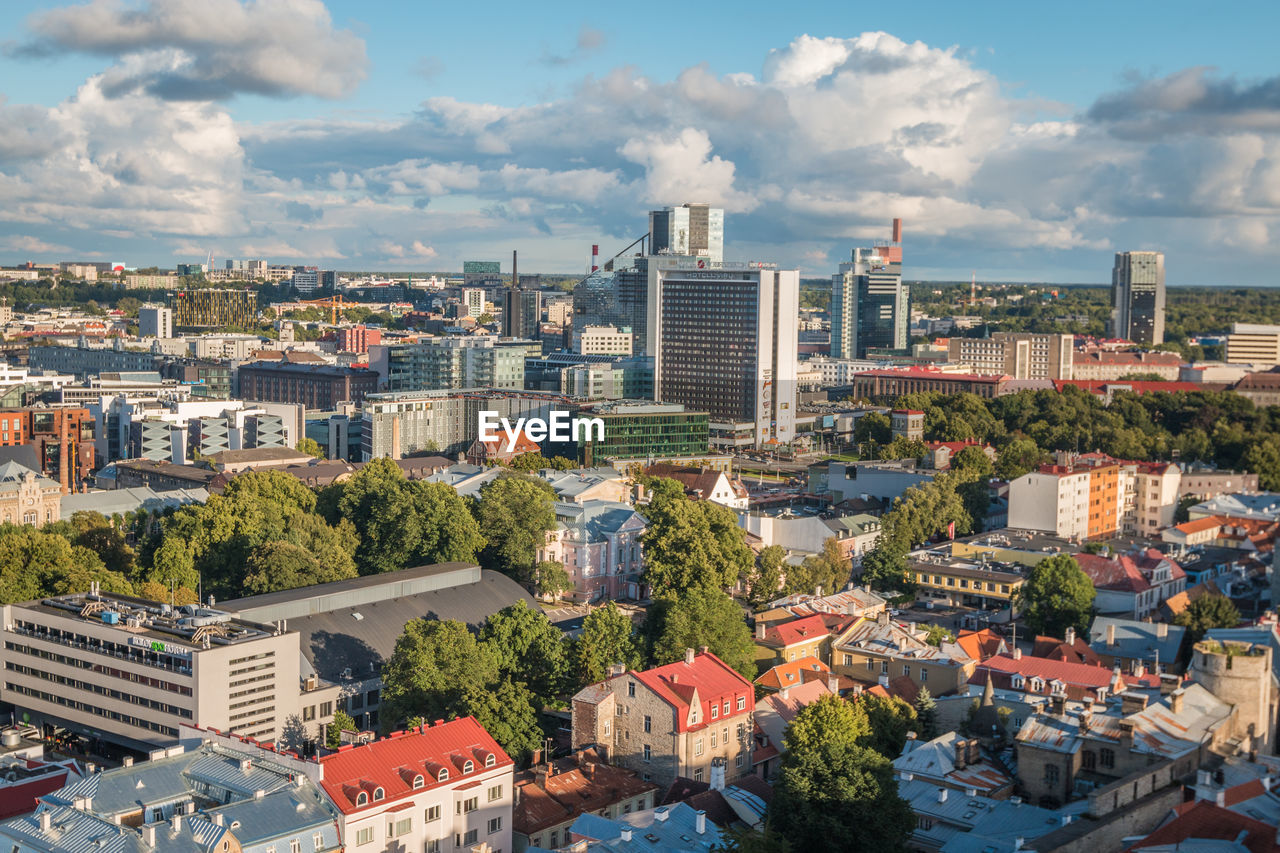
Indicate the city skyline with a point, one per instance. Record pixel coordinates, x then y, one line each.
305 132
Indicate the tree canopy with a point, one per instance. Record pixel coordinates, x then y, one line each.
707 617
607 637
1206 612
515 512
691 544
1057 595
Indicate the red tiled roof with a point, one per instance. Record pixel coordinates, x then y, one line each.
1114 573
1080 680
1207 820
803 630
980 645
1212 522
392 762
1234 795
710 678
1055 649
792 673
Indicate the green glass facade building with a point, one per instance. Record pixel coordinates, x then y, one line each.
644 431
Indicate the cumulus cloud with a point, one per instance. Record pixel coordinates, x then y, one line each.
810 156
200 50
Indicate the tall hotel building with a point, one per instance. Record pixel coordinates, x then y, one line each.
870 306
1137 297
723 338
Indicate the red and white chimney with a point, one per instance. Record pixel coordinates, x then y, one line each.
595 257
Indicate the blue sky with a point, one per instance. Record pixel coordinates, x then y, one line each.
1026 141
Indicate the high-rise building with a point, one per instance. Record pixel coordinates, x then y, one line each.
1137 297
155 321
1250 343
473 299
870 306
522 314
450 363
690 229
724 341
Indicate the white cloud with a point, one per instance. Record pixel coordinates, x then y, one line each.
197 50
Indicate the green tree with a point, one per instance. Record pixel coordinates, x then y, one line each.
884 567
433 661
342 722
280 565
1018 457
1263 459
926 713
873 427
34 564
831 788
1057 595
1206 612
890 720
827 570
707 617
766 580
402 523
607 637
507 712
692 545
742 839
531 463
936 635
311 447
550 577
516 512
528 649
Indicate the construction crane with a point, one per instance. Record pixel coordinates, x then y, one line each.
334 303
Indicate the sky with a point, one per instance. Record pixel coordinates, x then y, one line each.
1018 142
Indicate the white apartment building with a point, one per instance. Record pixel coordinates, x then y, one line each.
840 371
1022 355
602 340
473 299
1053 499
437 789
155 321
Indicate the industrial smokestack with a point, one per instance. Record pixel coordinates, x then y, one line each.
897 230
595 257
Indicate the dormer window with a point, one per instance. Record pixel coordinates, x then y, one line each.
378 794
726 707
715 710
443 775
469 767
419 782
1037 684
490 760
1018 681
362 799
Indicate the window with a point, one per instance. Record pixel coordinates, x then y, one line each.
884 667
648 753
468 839
495 793
295 845
362 799
742 702
443 775
724 736
697 775
378 794
871 665
326 709
697 747
433 846
1051 774
1088 759
404 826
1107 757
715 710
906 670
308 713
726 707
740 760
495 825
318 841
848 660
468 806
648 724
713 740
432 813
469 767
924 675
364 836
631 689
418 782
491 760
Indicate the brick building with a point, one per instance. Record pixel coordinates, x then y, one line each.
314 386
357 338
691 718
62 439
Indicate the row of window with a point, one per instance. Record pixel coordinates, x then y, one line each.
101 669
132 654
76 684
91 709
884 668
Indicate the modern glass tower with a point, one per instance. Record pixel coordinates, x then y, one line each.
690 229
1137 297
870 306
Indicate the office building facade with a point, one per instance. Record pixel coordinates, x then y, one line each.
690 229
452 363
521 314
1137 297
602 340
194 309
1252 343
1021 355
314 386
724 340
870 306
644 431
